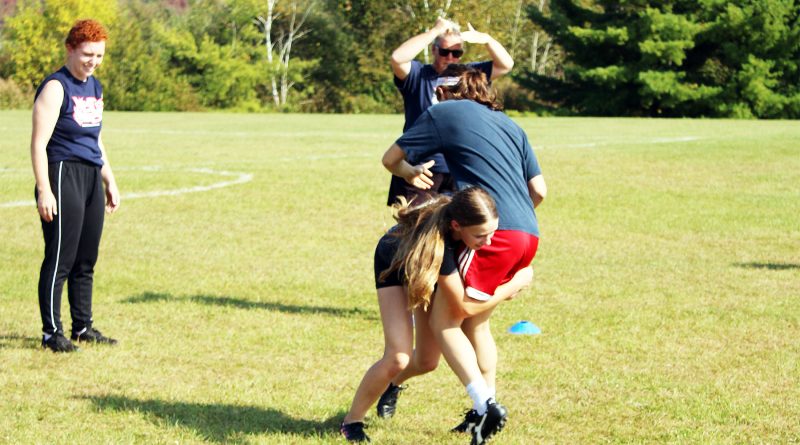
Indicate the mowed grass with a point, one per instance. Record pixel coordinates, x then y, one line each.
667 287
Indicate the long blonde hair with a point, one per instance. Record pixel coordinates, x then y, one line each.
422 230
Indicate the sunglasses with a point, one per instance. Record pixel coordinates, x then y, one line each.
446 52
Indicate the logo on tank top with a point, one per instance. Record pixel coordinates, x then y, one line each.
87 111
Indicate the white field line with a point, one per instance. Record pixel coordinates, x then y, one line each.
241 178
238 178
664 140
244 134
539 147
671 140
321 157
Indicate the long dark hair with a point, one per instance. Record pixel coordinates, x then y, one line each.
422 230
472 84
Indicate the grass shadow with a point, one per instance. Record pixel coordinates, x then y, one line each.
220 423
215 300
15 341
149 297
769 266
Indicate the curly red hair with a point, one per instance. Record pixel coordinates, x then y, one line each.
86 31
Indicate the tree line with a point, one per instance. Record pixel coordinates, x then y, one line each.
712 58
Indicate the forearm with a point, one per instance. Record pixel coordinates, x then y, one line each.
40 168
107 175
402 169
505 291
394 160
40 136
105 172
502 62
537 189
409 49
112 192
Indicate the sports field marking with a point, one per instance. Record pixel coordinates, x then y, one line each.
536 147
295 134
240 133
237 178
622 142
321 157
241 178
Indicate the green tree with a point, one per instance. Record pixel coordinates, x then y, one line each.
137 75
752 49
365 32
214 48
350 41
335 76
672 58
35 35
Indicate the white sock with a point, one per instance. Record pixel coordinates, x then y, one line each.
47 337
493 393
479 393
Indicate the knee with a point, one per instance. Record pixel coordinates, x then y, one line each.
427 364
396 363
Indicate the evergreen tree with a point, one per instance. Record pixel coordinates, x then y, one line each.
672 58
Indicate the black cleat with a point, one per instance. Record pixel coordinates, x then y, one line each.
387 404
490 422
354 432
91 335
58 343
471 418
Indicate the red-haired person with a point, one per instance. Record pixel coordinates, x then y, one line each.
74 183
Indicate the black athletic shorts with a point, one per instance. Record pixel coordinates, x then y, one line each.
384 252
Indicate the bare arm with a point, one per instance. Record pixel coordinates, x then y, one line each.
419 176
502 62
408 50
112 192
45 114
537 189
452 289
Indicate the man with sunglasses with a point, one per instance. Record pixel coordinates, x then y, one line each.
417 83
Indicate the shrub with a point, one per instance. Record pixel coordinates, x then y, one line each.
13 96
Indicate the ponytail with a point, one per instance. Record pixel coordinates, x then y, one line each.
421 232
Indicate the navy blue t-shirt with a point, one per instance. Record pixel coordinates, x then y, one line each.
419 93
80 120
484 148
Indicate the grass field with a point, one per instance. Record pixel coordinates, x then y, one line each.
237 276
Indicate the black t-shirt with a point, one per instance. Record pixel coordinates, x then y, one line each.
386 248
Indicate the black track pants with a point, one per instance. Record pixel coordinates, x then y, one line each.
71 242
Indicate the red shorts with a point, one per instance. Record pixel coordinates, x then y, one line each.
485 269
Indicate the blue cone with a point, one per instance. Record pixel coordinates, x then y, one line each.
524 328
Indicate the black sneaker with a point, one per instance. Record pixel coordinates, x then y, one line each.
471 418
387 404
91 335
490 422
58 343
354 432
